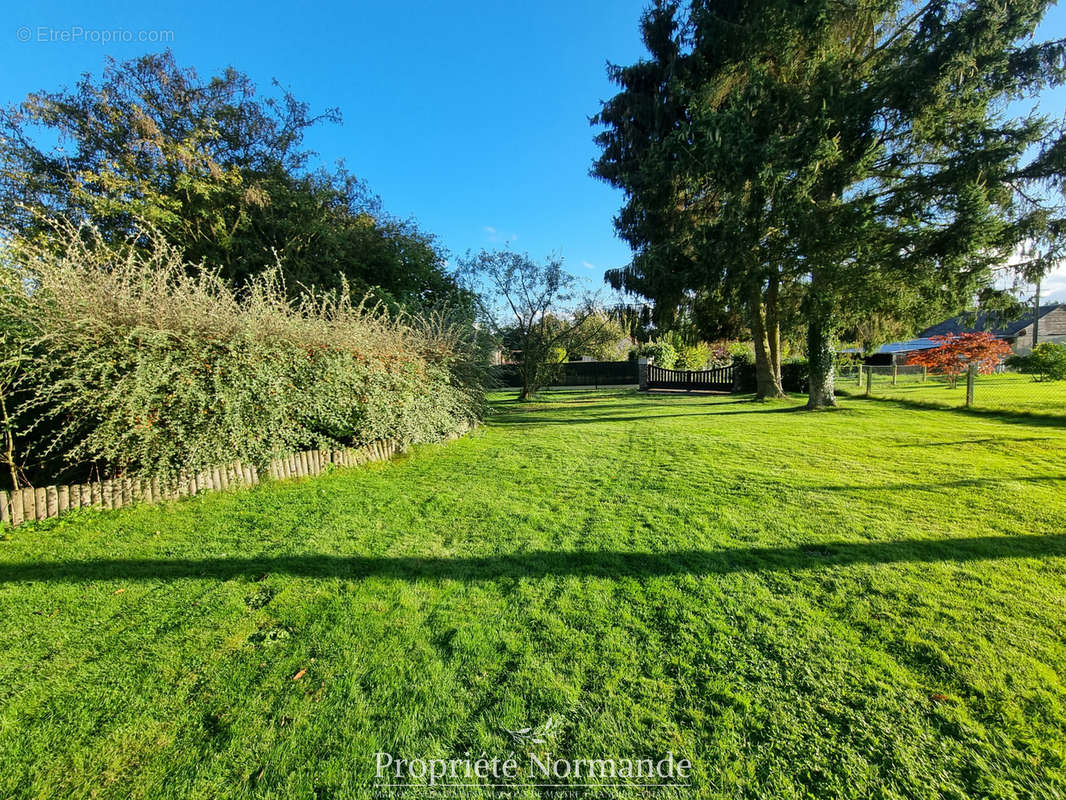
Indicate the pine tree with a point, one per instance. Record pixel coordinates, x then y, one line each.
857 151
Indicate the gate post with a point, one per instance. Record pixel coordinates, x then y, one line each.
642 372
971 374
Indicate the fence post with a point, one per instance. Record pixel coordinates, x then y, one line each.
895 372
869 379
925 371
971 373
642 373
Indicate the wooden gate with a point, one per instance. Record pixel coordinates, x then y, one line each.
719 379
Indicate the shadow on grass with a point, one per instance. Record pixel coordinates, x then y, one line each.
549 563
937 486
1036 418
582 417
986 440
583 406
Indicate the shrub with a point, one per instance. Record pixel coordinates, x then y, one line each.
1046 362
138 363
848 361
719 355
661 353
693 356
742 353
795 373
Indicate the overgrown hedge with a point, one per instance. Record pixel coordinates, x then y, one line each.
130 361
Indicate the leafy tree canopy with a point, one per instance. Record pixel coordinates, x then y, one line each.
853 155
219 169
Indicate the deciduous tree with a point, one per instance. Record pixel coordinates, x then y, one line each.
538 307
216 167
954 354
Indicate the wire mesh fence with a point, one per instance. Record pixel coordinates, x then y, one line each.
1004 391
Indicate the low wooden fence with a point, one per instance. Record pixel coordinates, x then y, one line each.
718 379
30 505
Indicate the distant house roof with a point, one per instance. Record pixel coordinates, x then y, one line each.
991 321
908 346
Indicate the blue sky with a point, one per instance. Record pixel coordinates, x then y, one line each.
471 117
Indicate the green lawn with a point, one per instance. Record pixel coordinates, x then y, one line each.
865 603
1008 392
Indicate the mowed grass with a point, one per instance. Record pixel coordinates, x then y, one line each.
1004 392
865 603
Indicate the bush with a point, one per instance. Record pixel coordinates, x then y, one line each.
742 353
662 354
138 363
794 376
693 356
1046 362
719 355
849 362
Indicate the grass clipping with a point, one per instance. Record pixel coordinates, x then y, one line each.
128 360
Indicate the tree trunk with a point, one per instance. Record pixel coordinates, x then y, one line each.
821 353
9 438
773 327
767 379
525 372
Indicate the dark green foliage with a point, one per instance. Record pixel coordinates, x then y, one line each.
635 320
851 160
220 171
794 376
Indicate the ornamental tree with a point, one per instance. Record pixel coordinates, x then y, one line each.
954 354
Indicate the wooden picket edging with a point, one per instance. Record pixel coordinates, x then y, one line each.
32 504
